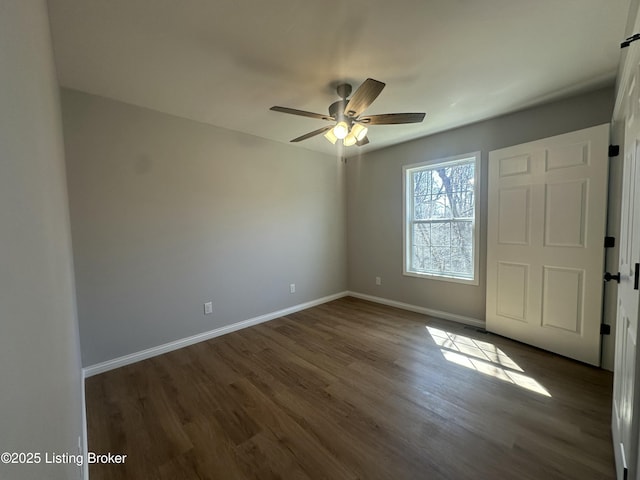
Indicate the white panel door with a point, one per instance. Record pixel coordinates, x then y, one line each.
545 242
625 400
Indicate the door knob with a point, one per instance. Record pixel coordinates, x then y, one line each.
608 277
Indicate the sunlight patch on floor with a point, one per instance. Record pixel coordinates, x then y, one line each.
483 357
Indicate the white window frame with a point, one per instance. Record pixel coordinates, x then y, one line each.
407 212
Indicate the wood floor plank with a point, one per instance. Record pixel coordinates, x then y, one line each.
353 390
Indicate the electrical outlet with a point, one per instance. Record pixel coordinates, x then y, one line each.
378 281
292 288
208 308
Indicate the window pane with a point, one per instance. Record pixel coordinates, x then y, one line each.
421 251
462 253
457 182
461 262
462 235
429 199
440 260
441 234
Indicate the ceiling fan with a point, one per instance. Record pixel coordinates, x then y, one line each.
347 123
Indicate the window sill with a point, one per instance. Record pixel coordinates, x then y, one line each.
442 278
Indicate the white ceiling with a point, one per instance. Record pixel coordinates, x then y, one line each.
225 62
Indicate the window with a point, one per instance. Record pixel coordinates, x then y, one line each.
440 236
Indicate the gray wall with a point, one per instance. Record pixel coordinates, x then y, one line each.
168 213
374 188
40 400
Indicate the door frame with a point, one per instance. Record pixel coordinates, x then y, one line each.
628 66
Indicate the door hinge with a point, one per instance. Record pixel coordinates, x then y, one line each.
614 151
630 40
612 276
636 275
609 242
605 329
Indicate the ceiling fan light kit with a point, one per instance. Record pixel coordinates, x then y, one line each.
349 140
359 131
331 136
341 130
349 125
349 132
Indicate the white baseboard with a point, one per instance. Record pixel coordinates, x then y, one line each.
184 342
426 311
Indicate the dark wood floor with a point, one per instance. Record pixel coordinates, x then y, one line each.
353 390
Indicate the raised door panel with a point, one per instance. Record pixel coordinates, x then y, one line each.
513 291
563 299
517 165
565 213
565 156
514 216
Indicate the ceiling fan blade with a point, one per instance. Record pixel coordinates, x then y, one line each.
312 134
302 113
363 142
392 118
364 96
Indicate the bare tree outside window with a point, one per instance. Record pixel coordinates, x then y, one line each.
441 218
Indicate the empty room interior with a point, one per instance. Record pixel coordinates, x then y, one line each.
302 240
